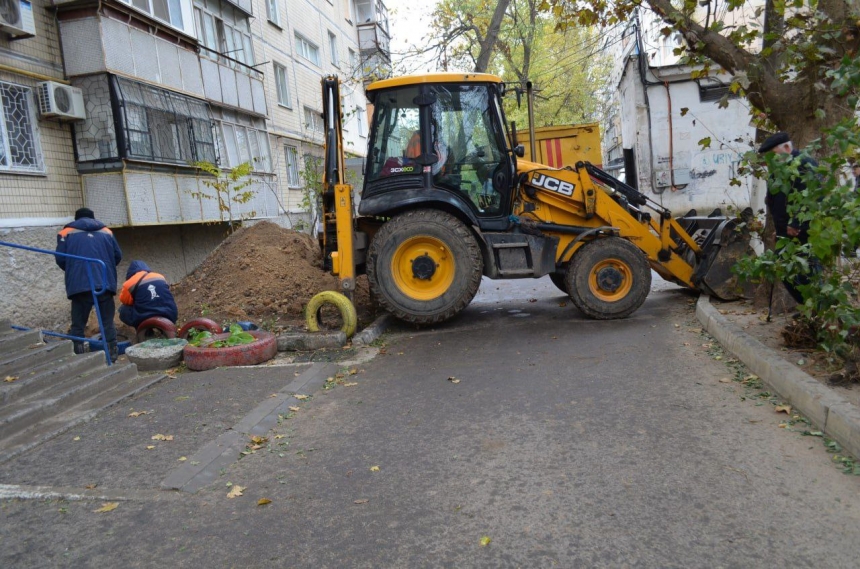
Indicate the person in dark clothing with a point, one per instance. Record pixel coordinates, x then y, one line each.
88 237
145 294
777 205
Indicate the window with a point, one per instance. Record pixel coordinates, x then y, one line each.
464 133
307 50
314 121
225 37
175 13
244 144
20 150
282 85
163 126
332 44
272 12
293 180
353 61
359 114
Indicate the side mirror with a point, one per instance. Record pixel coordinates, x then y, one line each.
520 150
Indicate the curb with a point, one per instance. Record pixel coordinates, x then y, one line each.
372 332
828 411
309 341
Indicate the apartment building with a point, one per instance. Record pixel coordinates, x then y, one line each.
109 105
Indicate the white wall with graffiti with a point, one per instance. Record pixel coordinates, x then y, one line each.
687 145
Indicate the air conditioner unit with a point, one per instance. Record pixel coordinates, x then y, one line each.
16 18
61 101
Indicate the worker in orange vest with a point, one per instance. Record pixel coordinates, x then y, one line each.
145 294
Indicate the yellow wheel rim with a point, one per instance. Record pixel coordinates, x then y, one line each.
423 267
610 280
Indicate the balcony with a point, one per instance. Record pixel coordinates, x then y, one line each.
99 44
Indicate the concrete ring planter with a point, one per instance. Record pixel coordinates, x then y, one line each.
200 324
199 358
165 326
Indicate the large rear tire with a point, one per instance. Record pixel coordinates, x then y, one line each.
424 266
608 278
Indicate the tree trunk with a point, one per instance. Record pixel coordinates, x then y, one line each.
489 42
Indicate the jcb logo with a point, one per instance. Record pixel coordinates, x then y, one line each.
553 184
404 169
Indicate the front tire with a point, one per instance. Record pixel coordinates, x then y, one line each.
424 266
608 278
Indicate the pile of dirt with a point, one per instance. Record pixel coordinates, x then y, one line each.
262 273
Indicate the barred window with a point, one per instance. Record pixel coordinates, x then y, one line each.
20 149
163 126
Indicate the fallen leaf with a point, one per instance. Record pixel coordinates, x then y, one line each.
754 420
783 425
256 447
353 371
90 486
150 447
182 458
725 380
300 397
181 398
363 501
10 378
107 507
485 541
273 395
263 501
258 440
783 409
453 379
293 409
280 436
160 437
235 491
374 469
138 413
350 384
76 439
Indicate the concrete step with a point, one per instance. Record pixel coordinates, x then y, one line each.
20 415
22 360
16 341
49 374
56 425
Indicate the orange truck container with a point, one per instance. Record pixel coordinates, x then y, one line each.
559 146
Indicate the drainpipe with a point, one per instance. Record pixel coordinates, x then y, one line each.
671 140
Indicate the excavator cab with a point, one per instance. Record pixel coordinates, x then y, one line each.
442 143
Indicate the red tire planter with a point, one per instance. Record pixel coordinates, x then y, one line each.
167 328
199 358
200 324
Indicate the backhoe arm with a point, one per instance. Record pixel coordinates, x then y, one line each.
337 210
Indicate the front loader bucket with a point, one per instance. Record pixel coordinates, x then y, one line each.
724 242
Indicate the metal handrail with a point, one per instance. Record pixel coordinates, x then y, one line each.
95 292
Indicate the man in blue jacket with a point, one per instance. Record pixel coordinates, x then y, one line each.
88 237
145 294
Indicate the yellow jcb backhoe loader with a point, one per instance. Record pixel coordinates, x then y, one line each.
448 198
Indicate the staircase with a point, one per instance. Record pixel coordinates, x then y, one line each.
45 389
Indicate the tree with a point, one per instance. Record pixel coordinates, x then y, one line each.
228 188
566 66
782 55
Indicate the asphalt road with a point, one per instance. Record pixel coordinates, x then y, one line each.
563 442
